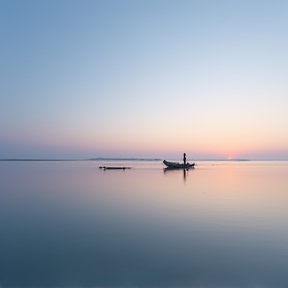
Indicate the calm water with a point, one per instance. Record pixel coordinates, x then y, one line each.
70 224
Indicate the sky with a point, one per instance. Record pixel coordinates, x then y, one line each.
145 78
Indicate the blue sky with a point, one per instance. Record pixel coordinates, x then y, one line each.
144 78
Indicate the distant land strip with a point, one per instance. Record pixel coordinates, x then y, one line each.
35 160
84 159
127 159
124 159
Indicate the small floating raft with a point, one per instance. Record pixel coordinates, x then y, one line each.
113 168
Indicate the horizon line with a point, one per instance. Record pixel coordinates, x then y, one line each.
130 159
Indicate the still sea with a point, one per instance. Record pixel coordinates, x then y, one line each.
71 224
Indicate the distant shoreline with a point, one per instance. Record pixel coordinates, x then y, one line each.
124 159
71 160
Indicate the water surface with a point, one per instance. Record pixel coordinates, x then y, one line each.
68 224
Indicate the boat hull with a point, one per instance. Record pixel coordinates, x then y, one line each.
175 165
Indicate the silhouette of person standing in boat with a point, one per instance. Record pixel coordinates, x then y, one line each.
184 158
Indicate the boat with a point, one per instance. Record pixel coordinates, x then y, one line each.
176 165
113 168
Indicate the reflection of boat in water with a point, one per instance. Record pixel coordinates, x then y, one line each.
176 165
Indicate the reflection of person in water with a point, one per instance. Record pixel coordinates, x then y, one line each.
184 158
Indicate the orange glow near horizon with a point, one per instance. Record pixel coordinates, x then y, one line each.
156 145
162 147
